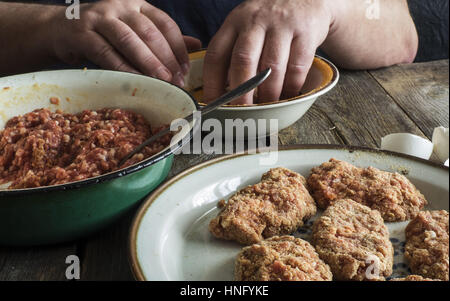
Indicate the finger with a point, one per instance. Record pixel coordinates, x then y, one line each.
217 61
275 56
156 42
171 32
245 59
97 50
192 43
126 41
300 61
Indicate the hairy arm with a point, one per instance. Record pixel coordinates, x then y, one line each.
367 36
285 34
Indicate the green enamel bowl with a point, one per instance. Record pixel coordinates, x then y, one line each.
53 214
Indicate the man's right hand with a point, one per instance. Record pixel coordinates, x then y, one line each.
131 36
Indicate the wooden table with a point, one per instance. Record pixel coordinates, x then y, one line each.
364 107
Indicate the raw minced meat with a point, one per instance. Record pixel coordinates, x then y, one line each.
43 148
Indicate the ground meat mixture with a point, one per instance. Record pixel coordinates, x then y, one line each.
277 205
284 258
427 244
392 194
43 148
414 278
349 237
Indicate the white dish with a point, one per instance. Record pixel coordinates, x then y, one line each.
170 238
321 79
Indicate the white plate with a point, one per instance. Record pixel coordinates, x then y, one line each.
170 238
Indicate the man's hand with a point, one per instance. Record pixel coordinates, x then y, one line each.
131 36
284 35
280 34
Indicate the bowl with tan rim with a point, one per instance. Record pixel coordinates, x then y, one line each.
322 78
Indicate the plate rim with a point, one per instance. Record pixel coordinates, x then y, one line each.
148 201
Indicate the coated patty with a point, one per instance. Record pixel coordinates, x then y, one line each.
427 244
284 258
392 194
277 205
354 241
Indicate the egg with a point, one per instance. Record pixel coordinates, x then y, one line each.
409 144
440 141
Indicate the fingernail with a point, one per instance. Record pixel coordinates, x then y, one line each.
164 74
185 68
179 79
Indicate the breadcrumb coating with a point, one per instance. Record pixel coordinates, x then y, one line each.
350 237
277 205
284 258
427 244
392 194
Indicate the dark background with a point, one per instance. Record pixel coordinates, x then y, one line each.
202 18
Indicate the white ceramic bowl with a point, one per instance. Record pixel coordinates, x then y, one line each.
322 77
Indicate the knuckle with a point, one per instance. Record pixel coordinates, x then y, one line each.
258 18
93 10
120 66
243 59
87 15
212 57
151 34
272 64
150 61
168 25
125 38
297 68
102 51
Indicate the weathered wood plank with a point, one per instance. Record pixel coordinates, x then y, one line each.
104 256
421 90
363 112
183 162
37 263
313 128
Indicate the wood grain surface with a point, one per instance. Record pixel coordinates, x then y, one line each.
364 106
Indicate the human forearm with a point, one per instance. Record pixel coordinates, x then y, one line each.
129 36
25 34
359 40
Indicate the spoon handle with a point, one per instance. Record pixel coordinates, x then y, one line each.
239 91
224 99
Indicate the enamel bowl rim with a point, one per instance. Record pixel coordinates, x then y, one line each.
148 201
167 152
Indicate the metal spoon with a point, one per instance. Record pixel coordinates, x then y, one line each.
224 99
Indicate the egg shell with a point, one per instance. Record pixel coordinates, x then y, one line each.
409 144
440 141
